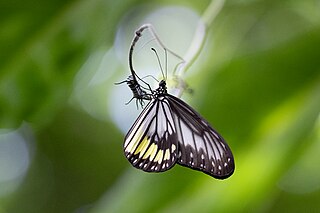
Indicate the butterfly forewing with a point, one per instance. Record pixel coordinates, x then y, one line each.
151 143
199 145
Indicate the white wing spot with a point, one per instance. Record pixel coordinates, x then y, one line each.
191 155
164 165
219 167
192 163
179 154
167 165
167 155
202 156
151 167
225 164
229 159
135 161
173 147
212 164
145 166
140 164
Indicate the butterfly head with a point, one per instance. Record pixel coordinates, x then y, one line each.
162 89
163 84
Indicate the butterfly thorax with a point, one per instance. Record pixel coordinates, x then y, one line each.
162 89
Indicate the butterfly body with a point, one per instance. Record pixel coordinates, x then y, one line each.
169 131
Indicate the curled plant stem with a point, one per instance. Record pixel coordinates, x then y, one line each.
199 38
212 11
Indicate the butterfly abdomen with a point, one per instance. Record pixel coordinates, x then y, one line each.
136 89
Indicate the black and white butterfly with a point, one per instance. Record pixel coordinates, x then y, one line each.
169 131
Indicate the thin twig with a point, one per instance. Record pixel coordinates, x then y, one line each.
199 37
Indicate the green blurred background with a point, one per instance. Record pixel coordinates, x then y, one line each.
257 80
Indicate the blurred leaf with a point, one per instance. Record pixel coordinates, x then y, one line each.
47 54
248 87
82 156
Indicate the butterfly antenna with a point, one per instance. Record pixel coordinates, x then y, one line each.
166 61
158 61
151 77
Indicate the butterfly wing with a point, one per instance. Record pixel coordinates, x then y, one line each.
151 143
200 147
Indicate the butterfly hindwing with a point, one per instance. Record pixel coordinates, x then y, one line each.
200 147
151 143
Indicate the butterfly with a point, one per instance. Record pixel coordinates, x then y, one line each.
168 132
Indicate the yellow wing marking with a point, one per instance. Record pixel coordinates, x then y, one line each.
154 152
134 142
151 151
138 126
142 147
159 157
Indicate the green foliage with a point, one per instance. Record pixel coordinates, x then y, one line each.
258 83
